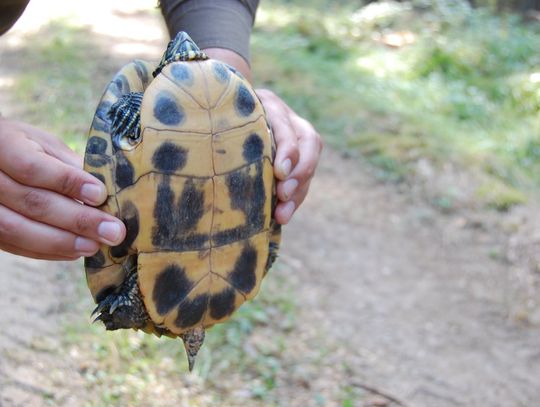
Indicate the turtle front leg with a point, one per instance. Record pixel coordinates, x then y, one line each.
124 308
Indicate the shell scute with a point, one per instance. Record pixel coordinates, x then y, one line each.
234 148
242 204
164 96
241 264
153 265
175 212
189 163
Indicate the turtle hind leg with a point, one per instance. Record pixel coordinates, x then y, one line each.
275 239
124 308
193 340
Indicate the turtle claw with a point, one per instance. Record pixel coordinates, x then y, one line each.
123 308
109 305
193 340
116 303
95 311
98 310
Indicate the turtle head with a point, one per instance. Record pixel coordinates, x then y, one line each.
181 48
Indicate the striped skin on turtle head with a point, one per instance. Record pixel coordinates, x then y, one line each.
187 158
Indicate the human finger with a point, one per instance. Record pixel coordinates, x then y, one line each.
53 145
285 210
277 115
43 140
31 236
32 167
309 146
39 256
62 212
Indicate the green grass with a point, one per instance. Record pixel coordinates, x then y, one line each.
467 91
56 81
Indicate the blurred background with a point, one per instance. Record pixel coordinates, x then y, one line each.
410 276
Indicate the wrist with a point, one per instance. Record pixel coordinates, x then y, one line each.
231 58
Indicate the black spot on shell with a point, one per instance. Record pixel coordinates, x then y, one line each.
141 70
191 312
125 173
230 235
96 161
96 145
104 293
222 304
253 199
176 222
234 71
247 194
243 276
191 206
95 154
169 158
163 233
101 122
95 261
245 104
130 217
171 288
182 73
253 148
221 72
98 176
119 85
166 110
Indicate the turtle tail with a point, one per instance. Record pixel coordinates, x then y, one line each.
181 48
193 340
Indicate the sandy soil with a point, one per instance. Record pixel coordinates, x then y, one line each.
418 306
428 309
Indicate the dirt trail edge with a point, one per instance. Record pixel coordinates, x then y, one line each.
412 298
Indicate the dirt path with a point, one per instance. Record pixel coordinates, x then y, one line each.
413 299
409 302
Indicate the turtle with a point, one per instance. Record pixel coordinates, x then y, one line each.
186 153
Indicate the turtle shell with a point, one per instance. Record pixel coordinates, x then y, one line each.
196 192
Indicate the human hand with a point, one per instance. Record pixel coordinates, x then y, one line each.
42 185
298 143
298 150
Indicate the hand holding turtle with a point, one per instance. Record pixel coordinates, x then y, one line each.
299 145
42 186
298 150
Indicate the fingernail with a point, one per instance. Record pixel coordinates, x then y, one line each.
92 193
286 168
110 231
288 210
289 187
85 246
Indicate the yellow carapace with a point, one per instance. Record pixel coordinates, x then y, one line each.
186 155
